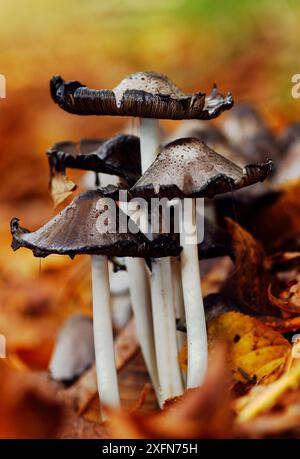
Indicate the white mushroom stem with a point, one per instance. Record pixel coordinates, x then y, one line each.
194 308
178 297
103 335
149 139
141 305
164 322
165 329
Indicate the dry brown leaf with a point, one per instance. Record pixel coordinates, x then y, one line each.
282 325
288 300
251 275
280 220
263 398
256 353
200 413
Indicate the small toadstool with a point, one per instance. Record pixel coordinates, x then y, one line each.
188 168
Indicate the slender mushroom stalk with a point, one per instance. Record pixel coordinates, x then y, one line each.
149 139
103 335
198 171
165 329
138 279
178 297
141 306
163 311
194 307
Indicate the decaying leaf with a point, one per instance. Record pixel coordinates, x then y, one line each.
200 413
288 300
251 274
282 420
61 188
256 353
282 325
281 220
262 398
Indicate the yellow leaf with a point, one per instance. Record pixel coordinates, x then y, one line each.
255 351
61 188
261 399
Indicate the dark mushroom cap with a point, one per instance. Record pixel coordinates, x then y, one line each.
143 94
119 155
189 168
75 231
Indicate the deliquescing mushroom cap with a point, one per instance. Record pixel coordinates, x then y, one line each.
76 230
119 155
142 94
189 168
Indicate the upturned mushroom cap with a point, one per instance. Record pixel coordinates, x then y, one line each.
142 94
189 168
76 230
119 155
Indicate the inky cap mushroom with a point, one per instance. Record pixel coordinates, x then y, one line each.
142 94
189 168
119 155
76 230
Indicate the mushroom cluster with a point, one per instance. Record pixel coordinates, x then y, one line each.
184 171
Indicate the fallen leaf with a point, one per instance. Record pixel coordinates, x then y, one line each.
251 275
61 188
262 398
256 353
203 412
288 300
281 220
282 325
